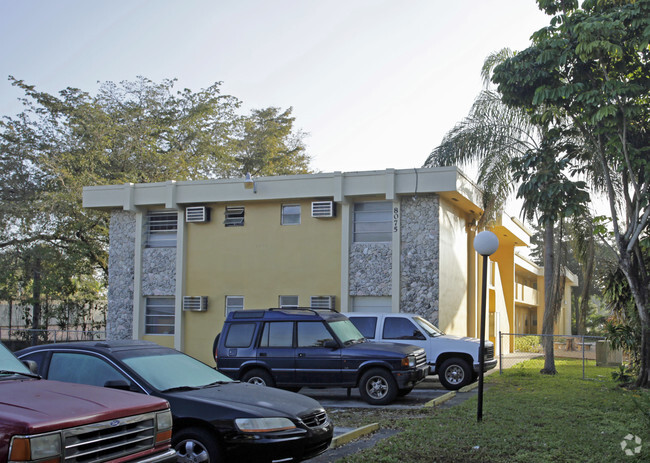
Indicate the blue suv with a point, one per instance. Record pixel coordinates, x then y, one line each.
298 347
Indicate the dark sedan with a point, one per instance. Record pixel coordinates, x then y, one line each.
215 418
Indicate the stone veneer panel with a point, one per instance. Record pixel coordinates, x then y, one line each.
370 269
420 256
121 261
159 272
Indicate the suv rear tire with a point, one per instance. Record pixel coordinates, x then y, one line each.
259 377
377 387
454 373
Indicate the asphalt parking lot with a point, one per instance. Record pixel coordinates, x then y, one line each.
337 397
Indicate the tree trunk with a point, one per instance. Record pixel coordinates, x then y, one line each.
586 286
548 319
36 300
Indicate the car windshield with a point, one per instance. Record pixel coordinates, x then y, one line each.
346 331
10 365
429 327
174 370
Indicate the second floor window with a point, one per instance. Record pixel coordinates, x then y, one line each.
161 227
288 301
234 303
234 216
290 214
373 221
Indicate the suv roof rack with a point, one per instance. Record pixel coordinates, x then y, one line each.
257 313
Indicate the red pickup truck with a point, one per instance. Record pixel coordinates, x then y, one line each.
58 422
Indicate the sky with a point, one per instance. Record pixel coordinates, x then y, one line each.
375 83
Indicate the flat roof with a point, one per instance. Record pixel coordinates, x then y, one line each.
449 182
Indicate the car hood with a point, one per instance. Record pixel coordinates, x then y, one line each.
386 349
243 400
34 406
466 339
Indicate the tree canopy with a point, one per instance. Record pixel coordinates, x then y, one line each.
135 131
591 68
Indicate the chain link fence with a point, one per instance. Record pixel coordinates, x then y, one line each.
19 338
591 350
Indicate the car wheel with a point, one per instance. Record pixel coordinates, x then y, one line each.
454 373
258 377
196 445
377 387
405 391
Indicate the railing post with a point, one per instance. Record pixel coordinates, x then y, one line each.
500 354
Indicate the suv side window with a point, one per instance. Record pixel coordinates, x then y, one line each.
82 369
400 328
366 325
240 335
312 334
277 334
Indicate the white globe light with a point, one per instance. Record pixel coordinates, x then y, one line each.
486 243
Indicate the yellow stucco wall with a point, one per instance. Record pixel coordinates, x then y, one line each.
163 340
453 270
260 261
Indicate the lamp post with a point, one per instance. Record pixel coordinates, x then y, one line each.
486 243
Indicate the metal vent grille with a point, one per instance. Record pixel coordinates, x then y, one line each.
316 419
109 440
323 209
322 302
195 303
197 214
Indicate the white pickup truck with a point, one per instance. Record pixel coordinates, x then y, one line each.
454 359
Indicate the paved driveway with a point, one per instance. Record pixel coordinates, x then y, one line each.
337 397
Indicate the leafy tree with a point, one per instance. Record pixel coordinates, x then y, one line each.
138 131
591 66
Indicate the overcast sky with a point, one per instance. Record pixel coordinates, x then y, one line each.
375 83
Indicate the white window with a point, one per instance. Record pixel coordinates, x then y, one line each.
159 315
322 302
373 221
371 304
234 303
290 214
288 301
161 228
234 216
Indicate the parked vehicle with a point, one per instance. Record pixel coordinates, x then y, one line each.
215 418
298 347
454 359
50 421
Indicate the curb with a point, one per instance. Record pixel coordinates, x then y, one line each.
469 387
354 434
438 400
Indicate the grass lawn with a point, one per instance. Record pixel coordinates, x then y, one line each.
527 417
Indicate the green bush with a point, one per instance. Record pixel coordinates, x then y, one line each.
528 344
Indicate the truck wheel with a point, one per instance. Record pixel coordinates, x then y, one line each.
259 377
377 387
454 373
196 444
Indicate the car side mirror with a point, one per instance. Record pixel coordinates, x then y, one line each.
32 365
118 384
418 335
331 344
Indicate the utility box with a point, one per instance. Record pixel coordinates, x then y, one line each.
606 356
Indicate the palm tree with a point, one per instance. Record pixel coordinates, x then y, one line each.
497 138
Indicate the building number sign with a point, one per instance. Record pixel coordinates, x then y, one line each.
395 219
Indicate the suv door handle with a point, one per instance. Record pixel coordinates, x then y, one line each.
301 354
262 354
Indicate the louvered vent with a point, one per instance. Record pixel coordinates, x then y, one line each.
195 303
322 302
323 209
197 214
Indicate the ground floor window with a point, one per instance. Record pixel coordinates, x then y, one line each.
234 303
371 304
159 315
